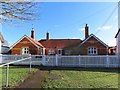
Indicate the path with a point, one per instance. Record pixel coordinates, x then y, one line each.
35 80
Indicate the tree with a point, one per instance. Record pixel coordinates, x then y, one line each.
15 11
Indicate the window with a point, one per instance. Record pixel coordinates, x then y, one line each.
59 51
51 51
92 51
25 50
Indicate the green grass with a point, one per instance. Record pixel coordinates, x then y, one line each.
82 79
16 75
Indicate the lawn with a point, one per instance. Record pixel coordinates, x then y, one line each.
16 75
81 79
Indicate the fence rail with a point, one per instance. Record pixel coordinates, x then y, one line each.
12 60
57 60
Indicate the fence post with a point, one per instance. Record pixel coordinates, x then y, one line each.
30 64
56 60
118 58
79 60
107 61
0 58
7 74
43 59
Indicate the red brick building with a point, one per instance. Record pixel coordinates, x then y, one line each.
112 50
27 45
91 45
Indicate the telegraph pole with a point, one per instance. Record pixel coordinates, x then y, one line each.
118 42
119 15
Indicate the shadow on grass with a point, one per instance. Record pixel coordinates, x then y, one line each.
93 69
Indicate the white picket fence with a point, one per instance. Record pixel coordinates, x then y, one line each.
35 59
72 61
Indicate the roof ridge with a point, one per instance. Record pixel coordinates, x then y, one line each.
35 41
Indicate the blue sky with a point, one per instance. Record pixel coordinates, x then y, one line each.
67 20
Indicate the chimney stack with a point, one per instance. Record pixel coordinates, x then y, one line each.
86 31
33 33
47 36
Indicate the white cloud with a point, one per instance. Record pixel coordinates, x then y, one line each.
112 42
75 38
81 29
104 28
116 17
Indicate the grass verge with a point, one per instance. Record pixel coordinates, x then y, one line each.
16 75
81 79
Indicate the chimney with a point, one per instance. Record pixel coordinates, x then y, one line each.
86 31
33 33
47 36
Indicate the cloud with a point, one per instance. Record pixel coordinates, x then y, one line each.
112 42
81 29
116 17
75 38
104 28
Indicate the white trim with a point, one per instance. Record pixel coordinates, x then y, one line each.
43 51
25 36
95 38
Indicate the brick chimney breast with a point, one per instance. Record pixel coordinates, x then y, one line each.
33 33
86 31
47 35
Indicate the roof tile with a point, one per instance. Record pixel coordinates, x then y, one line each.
59 43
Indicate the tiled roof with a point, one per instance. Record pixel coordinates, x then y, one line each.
35 41
1 37
59 43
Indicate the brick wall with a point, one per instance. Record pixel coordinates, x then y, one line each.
83 49
17 49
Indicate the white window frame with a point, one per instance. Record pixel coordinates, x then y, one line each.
92 51
51 52
25 50
61 52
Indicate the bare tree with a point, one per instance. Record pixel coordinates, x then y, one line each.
14 11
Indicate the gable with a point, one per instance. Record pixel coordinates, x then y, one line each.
117 33
1 38
25 41
92 39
